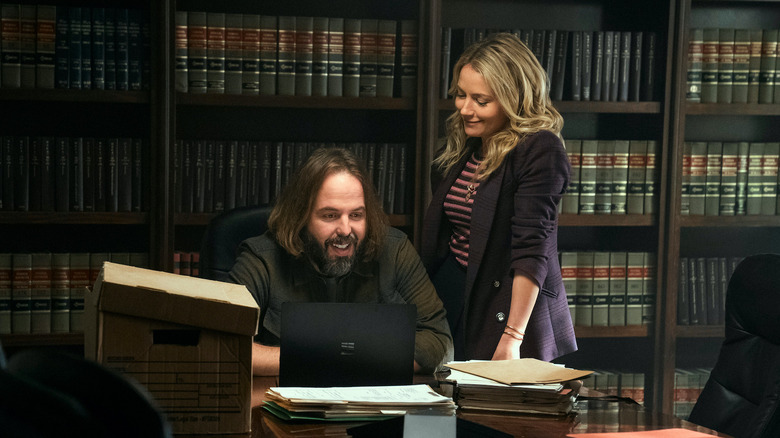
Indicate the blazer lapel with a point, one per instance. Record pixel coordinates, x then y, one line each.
482 213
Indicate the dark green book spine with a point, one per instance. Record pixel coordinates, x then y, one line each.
250 54
741 66
754 178
180 52
617 288
286 56
234 25
215 52
368 57
605 156
196 51
409 53
709 66
620 177
694 74
588 177
725 65
319 66
335 57
698 181
766 78
269 65
769 178
728 176
740 204
304 48
352 53
385 58
756 37
713 178
635 188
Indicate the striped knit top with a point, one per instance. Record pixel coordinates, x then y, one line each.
457 208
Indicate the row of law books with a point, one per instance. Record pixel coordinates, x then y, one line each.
186 263
732 65
231 53
42 173
219 175
611 177
618 383
47 46
609 66
43 292
609 288
688 385
701 294
730 178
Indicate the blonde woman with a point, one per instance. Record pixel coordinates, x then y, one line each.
490 233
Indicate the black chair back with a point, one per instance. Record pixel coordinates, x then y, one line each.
224 234
742 395
48 393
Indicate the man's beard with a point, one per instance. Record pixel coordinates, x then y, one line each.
331 266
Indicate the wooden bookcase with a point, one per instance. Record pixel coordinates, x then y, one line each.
163 116
690 346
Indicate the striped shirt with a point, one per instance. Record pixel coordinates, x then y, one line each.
457 207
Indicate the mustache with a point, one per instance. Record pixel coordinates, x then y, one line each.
351 238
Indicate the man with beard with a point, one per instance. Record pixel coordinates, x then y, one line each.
328 241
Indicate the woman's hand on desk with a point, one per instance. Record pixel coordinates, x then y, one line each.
507 348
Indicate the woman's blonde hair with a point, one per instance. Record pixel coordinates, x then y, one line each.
519 84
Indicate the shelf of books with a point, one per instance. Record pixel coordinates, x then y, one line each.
321 102
75 159
723 175
73 217
275 84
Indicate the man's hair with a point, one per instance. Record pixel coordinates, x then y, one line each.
520 86
293 209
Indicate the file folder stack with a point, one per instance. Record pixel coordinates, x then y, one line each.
358 403
518 386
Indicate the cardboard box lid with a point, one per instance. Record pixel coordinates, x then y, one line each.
176 298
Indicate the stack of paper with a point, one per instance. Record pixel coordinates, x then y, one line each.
356 403
520 386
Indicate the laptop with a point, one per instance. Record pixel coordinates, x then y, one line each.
347 344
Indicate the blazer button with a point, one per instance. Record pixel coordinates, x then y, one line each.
496 283
500 317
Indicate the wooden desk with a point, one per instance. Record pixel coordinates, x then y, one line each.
593 416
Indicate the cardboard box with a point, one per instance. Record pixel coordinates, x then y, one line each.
188 340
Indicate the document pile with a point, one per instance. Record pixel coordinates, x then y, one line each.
357 403
520 386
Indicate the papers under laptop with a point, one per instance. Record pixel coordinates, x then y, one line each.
347 344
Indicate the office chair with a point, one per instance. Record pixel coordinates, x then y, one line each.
223 235
47 393
742 394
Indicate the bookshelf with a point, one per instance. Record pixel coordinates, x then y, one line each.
280 118
162 116
113 113
696 235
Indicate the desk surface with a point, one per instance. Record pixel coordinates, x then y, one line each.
592 416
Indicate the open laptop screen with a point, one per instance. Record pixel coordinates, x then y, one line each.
347 344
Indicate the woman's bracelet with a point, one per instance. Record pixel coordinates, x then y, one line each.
515 330
517 336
